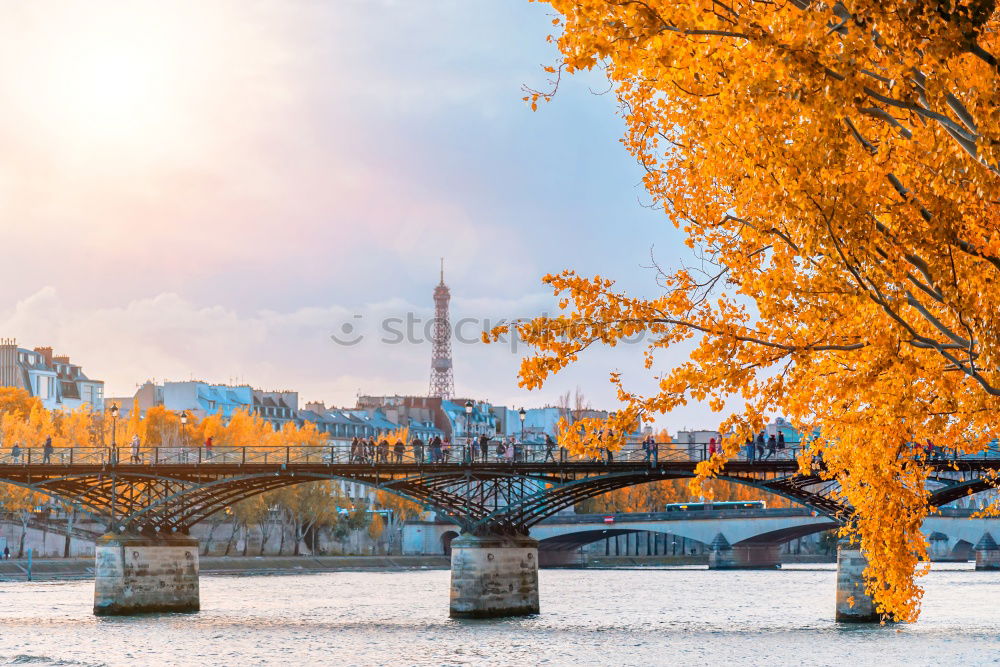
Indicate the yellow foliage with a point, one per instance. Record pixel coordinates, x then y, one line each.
402 509
376 526
836 164
652 497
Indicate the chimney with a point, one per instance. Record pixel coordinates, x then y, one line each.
9 371
60 360
46 353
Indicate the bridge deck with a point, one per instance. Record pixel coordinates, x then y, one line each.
173 488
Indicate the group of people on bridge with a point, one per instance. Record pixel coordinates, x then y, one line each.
762 449
442 450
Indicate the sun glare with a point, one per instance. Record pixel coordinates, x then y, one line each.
127 76
122 87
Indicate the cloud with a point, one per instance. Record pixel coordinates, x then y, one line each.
385 351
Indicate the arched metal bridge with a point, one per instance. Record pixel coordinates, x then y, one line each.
169 490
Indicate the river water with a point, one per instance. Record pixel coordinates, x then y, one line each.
687 616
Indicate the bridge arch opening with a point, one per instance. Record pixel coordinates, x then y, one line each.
789 534
626 542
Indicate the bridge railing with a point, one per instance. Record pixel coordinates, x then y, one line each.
341 452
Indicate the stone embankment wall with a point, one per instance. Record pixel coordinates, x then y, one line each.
214 540
83 568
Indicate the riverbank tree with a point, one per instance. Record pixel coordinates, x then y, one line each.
833 166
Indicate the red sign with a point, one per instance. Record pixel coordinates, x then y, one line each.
609 519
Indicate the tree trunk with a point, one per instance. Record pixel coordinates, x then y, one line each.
265 532
70 522
232 536
208 538
24 533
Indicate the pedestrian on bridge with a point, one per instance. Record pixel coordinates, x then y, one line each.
652 449
930 450
749 446
550 446
15 453
760 446
135 449
208 448
418 450
713 448
484 447
383 451
398 449
772 445
47 450
781 444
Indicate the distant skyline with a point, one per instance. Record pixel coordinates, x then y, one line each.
212 191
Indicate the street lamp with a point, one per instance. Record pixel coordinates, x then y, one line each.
522 414
468 420
114 429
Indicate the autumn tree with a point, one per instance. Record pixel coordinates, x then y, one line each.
245 513
20 503
652 497
306 508
376 527
400 511
834 168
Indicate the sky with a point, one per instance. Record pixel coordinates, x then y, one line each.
214 190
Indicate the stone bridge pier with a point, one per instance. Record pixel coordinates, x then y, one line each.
854 604
987 553
493 576
137 574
